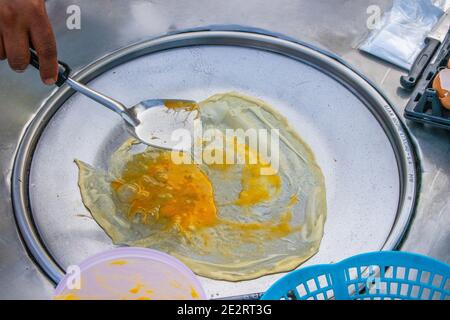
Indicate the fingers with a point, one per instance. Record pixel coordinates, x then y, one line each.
17 47
24 23
44 43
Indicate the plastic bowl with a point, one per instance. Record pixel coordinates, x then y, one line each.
129 273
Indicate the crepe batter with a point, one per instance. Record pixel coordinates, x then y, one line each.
225 221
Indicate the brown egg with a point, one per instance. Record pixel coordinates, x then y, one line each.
441 84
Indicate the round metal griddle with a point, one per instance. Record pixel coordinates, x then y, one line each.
358 141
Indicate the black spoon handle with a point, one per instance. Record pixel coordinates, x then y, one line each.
421 62
63 68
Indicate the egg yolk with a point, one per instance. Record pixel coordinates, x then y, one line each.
156 189
270 230
181 105
256 186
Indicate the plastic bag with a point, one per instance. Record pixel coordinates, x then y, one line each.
399 37
443 4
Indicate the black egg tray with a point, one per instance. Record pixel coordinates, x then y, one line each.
424 105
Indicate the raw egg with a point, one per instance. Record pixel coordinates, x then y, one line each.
261 213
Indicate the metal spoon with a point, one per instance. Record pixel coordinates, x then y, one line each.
149 121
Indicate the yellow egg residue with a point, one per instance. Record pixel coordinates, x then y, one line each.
256 187
67 296
136 288
260 182
141 290
156 189
194 293
293 200
118 262
181 105
271 230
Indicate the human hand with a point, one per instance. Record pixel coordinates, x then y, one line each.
25 24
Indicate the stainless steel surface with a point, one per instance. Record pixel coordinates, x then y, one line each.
349 126
147 120
106 101
337 25
440 30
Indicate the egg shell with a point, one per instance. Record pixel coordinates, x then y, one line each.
441 84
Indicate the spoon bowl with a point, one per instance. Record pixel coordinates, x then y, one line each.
164 123
154 122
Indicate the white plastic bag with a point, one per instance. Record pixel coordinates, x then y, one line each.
400 35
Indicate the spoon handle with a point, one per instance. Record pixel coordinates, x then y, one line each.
63 69
64 77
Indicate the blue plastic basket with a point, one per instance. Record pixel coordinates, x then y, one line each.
385 275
